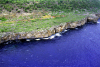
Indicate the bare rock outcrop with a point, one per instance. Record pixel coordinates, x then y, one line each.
92 19
59 28
46 33
28 35
51 31
83 21
67 25
98 14
73 24
37 34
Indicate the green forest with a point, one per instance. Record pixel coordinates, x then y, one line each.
53 5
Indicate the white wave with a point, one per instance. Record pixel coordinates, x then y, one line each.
27 39
58 34
65 30
51 37
98 22
45 38
76 28
37 39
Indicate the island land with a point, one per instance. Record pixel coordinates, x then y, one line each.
20 19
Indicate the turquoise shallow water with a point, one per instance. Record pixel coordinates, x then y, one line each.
76 48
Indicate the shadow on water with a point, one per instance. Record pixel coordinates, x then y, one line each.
23 42
77 47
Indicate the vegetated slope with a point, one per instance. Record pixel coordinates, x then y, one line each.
52 5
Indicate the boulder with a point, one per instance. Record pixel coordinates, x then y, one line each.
18 36
92 19
51 31
63 27
78 23
0 40
73 24
6 37
44 33
67 25
37 34
83 21
58 29
23 35
98 14
15 35
32 33
28 35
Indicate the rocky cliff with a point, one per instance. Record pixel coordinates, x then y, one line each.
46 33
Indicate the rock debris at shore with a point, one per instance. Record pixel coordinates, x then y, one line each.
46 33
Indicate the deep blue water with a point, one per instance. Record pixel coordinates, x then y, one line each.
75 48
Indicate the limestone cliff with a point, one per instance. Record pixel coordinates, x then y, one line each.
46 33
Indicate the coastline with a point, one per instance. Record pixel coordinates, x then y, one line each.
47 33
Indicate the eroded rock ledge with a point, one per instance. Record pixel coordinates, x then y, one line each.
46 33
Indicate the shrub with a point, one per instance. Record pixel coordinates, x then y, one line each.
27 7
3 19
0 8
0 11
26 11
5 1
8 7
38 6
30 9
12 8
35 8
20 6
31 17
9 10
33 20
30 5
18 11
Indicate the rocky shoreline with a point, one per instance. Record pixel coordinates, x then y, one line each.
46 33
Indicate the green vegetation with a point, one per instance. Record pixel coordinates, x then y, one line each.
65 9
8 7
18 11
53 5
3 19
38 24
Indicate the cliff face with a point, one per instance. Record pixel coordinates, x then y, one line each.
46 33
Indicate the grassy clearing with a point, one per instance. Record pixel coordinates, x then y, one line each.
38 24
